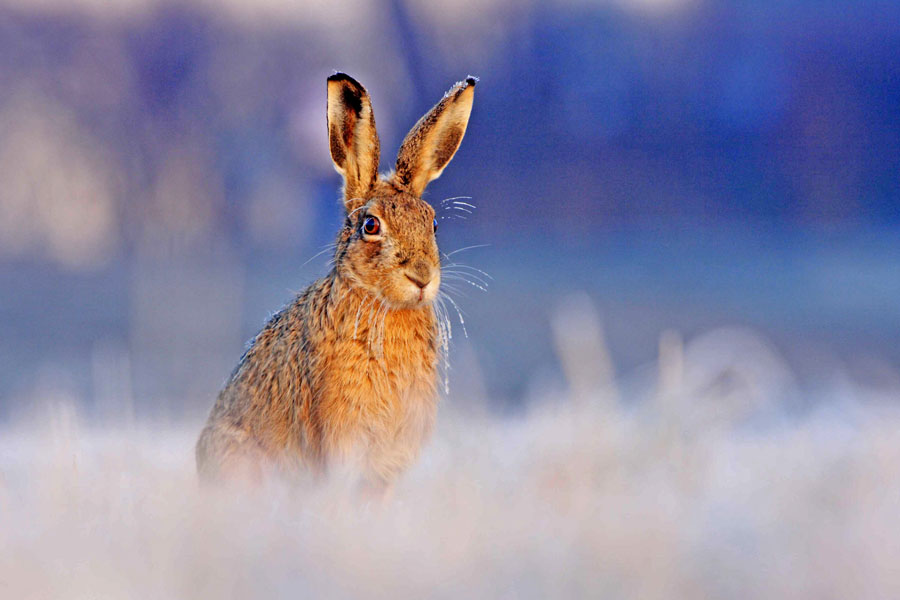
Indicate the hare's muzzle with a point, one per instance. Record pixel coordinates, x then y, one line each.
424 278
419 282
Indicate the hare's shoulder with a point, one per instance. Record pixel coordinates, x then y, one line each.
275 353
293 321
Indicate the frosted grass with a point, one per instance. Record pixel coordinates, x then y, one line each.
689 481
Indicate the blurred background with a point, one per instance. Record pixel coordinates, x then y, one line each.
642 169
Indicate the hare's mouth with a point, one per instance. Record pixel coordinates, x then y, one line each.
418 288
406 294
423 292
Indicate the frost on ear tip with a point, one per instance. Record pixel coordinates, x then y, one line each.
460 86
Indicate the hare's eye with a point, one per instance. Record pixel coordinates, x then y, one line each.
371 226
435 225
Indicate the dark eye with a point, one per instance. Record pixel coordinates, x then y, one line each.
371 226
435 225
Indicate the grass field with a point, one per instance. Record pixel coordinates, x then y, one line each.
695 480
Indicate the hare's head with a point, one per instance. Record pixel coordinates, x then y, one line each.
387 244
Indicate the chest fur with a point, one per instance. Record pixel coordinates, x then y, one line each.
378 395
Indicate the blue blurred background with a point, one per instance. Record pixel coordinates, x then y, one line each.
684 164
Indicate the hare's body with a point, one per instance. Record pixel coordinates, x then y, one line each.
347 372
330 377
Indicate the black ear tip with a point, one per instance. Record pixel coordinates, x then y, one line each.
339 77
471 80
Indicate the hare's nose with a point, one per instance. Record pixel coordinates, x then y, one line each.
421 274
415 279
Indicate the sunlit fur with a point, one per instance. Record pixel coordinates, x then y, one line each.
347 373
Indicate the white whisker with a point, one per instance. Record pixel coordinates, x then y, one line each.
452 288
472 283
446 200
350 214
468 278
445 334
459 314
373 318
368 301
472 206
320 253
382 334
470 267
448 255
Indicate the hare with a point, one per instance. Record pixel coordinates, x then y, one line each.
348 371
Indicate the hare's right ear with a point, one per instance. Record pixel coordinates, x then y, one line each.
433 141
352 137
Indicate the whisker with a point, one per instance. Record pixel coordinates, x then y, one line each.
459 314
470 267
448 255
472 206
456 291
373 318
368 301
467 275
461 277
350 214
383 325
320 253
449 283
446 200
445 333
483 287
459 208
384 311
442 313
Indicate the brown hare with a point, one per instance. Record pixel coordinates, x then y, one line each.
347 373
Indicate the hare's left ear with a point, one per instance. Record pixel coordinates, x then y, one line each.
433 141
352 137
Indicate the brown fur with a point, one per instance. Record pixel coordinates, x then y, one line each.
347 372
